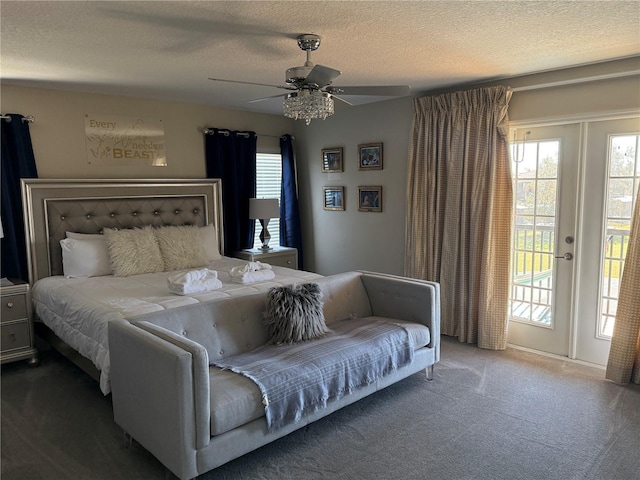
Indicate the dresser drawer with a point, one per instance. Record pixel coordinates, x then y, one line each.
288 261
14 336
14 307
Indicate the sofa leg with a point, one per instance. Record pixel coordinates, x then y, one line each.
429 371
128 440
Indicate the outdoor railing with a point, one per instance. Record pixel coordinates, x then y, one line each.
532 274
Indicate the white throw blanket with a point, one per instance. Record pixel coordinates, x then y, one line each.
193 281
252 272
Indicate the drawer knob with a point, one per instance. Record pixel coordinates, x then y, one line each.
9 304
12 337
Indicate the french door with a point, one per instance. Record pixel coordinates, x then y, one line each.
611 178
544 168
574 190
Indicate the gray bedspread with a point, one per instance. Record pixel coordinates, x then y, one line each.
300 378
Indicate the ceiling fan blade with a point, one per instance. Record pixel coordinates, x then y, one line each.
382 91
335 97
286 87
267 98
321 76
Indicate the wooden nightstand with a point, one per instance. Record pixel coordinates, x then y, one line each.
278 256
16 327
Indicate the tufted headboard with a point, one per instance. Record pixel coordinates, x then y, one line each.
53 207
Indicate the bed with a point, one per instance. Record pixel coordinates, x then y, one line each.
73 313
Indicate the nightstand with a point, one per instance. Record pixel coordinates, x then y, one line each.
16 328
278 256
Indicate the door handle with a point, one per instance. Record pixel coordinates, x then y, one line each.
566 256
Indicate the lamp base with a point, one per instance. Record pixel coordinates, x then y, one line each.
264 235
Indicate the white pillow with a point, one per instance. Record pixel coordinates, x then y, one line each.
85 236
85 258
133 251
181 247
209 238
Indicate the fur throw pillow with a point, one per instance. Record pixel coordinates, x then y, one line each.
181 247
133 251
294 313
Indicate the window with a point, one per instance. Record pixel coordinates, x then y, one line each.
623 180
268 185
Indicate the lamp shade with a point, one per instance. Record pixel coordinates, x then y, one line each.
261 208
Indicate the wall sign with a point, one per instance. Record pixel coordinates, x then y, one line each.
118 140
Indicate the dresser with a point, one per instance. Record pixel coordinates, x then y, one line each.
16 327
278 256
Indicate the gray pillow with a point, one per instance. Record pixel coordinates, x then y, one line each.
294 313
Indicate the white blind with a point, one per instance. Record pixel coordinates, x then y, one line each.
268 185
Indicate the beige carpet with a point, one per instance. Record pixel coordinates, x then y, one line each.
487 415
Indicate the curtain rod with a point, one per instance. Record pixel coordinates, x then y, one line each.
26 118
226 133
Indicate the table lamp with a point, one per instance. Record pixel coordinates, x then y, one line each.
264 209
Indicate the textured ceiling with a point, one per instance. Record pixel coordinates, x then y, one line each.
168 49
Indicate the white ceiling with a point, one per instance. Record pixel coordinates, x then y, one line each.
168 49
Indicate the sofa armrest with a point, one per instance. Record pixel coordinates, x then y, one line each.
152 385
406 299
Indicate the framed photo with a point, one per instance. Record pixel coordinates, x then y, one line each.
370 199
333 198
370 156
332 159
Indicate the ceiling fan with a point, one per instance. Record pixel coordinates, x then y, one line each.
312 93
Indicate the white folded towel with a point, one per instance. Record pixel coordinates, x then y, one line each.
184 278
253 276
240 270
193 281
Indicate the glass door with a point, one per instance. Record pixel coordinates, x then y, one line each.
611 180
545 183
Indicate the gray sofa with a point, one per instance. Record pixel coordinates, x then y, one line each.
194 417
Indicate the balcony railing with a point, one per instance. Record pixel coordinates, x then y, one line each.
532 275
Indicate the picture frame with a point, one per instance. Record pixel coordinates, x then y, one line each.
332 160
370 198
333 198
370 156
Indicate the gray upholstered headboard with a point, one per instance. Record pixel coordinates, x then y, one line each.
53 207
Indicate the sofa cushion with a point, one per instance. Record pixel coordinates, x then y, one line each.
343 296
418 333
235 400
294 313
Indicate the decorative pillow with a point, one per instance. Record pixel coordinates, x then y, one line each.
85 257
85 236
209 239
133 251
181 247
294 313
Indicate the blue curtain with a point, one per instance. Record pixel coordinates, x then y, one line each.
290 231
231 156
18 162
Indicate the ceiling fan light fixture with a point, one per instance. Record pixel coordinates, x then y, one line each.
307 105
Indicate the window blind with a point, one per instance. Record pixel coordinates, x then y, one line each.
268 185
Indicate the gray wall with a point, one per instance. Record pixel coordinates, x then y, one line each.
340 241
334 241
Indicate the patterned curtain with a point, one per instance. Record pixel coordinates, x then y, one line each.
290 231
624 357
18 162
231 156
459 205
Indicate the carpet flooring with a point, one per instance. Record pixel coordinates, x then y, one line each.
486 415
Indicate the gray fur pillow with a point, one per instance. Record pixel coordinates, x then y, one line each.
294 313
